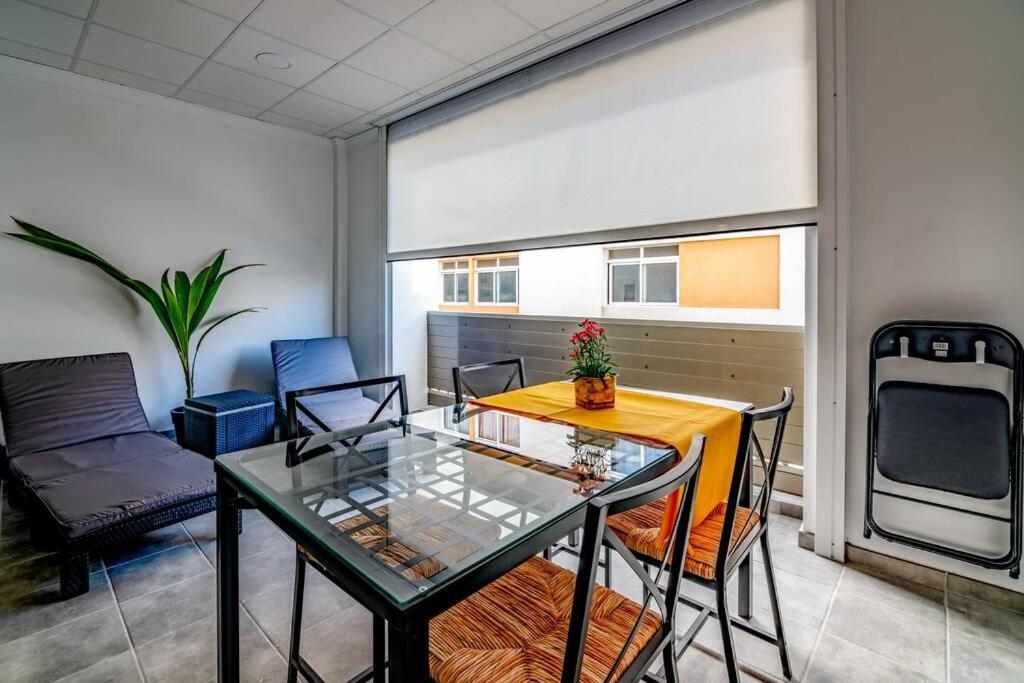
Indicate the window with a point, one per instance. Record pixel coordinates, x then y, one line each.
497 280
643 275
455 282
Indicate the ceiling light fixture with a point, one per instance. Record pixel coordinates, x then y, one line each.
272 60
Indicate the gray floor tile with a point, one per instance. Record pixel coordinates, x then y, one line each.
121 668
260 572
141 546
697 665
761 655
157 571
28 613
838 661
982 591
789 556
987 621
203 527
800 599
266 666
921 601
156 614
190 653
15 539
272 610
976 659
257 536
916 643
339 647
65 649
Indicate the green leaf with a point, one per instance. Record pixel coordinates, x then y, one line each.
176 315
200 285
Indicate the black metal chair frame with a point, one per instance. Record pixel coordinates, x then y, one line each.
733 557
296 663
1002 349
294 406
597 534
462 387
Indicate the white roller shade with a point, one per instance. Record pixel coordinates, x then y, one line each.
714 121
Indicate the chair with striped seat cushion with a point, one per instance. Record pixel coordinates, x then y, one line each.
640 530
544 624
714 554
516 629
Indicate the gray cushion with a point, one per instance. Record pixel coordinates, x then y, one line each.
94 485
47 404
950 438
310 363
341 411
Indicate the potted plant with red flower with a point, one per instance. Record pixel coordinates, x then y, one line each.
592 369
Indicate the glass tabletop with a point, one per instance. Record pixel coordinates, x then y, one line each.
412 503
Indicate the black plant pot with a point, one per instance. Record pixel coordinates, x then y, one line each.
178 420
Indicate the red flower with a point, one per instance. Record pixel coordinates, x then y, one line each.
574 354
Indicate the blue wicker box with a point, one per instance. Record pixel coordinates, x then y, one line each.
232 421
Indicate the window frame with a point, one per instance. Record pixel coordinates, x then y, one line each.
455 272
641 261
495 269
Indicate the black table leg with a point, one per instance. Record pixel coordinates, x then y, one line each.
227 582
408 652
745 577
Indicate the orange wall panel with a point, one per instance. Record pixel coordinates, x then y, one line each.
741 272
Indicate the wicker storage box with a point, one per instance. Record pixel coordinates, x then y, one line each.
232 421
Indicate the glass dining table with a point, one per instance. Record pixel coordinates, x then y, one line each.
412 515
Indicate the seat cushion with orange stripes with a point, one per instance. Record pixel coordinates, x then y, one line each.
436 544
516 629
640 530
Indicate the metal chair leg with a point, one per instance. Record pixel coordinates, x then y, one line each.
728 649
773 597
379 656
607 567
669 666
293 647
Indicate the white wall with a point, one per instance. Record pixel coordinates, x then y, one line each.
365 277
936 102
417 290
152 183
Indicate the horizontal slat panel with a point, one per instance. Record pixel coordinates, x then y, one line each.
736 364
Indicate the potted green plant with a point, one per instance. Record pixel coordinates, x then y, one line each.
180 307
592 369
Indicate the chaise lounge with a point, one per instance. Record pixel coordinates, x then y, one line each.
81 455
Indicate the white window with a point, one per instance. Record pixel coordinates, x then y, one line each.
497 280
455 282
643 275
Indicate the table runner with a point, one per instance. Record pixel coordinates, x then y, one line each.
667 420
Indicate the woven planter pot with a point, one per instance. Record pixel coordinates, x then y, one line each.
593 393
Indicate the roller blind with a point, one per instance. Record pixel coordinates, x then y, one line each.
714 121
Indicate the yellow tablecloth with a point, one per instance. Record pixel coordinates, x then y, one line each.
667 420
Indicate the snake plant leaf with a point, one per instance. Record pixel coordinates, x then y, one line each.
198 290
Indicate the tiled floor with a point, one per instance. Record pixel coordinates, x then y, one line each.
150 616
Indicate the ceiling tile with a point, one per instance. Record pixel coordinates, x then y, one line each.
34 54
233 9
544 13
244 44
402 59
125 52
316 109
467 29
399 103
39 27
351 86
281 120
214 102
324 26
107 73
222 81
388 11
519 48
590 16
167 22
442 83
79 8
